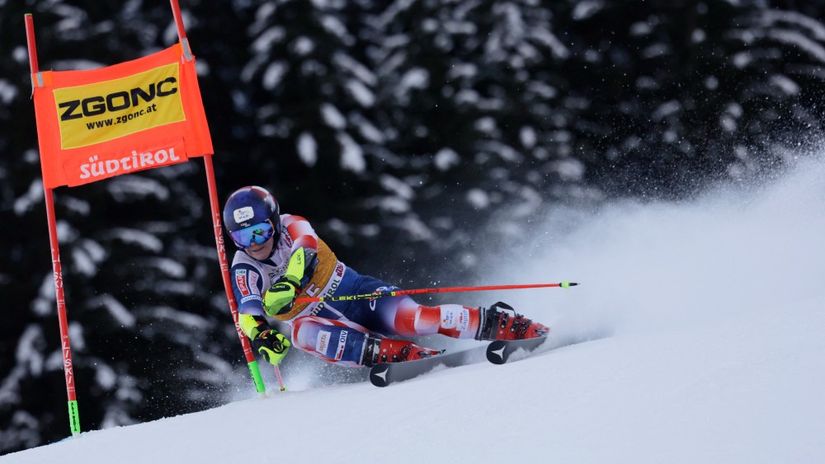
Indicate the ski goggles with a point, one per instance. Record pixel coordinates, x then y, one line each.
256 234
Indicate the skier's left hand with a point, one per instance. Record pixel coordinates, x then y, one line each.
279 297
272 345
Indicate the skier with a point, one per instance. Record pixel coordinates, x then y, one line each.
280 257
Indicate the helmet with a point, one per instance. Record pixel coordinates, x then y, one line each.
251 216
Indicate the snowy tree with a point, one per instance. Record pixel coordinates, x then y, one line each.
312 99
139 273
685 92
414 135
477 119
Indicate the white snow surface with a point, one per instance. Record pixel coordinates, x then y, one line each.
698 338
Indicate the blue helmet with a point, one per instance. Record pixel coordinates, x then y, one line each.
251 215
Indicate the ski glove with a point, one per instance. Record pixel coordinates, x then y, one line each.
279 297
272 345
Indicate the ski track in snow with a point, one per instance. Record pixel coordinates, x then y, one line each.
697 337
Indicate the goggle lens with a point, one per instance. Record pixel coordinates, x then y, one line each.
256 234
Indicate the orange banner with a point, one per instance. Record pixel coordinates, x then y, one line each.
132 116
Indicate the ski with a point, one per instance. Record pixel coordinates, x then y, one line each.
498 352
384 374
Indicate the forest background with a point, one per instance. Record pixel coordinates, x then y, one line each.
414 135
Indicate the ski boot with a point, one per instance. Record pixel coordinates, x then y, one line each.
498 324
386 350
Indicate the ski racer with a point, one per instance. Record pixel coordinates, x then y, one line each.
280 257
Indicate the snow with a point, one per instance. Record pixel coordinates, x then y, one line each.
478 198
83 262
542 90
360 93
816 28
77 64
32 196
20 54
181 318
307 149
105 376
269 37
75 205
727 122
802 42
528 206
788 86
485 124
7 92
656 50
360 71
666 109
397 7
274 74
396 185
416 78
352 156
467 96
137 186
303 46
44 303
551 41
72 18
137 237
395 204
337 28
695 336
29 349
169 267
528 137
415 228
332 117
587 8
569 169
116 309
367 130
462 70
742 59
641 28
446 158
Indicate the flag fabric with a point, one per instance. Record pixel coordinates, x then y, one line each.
132 116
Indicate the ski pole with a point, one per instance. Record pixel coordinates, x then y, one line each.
419 291
280 379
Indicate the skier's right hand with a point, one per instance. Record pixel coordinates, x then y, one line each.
278 298
272 345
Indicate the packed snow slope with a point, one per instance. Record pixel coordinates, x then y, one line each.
696 336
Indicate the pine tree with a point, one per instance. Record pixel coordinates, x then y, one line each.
142 287
312 100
